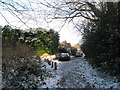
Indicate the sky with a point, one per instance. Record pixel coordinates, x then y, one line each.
35 19
67 32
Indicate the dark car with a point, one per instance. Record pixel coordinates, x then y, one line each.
64 56
78 54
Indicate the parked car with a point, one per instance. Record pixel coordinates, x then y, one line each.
78 54
64 56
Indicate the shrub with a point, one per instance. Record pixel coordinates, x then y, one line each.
20 69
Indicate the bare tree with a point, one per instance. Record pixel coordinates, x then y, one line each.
23 11
69 10
49 10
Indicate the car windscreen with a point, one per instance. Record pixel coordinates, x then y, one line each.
64 54
77 52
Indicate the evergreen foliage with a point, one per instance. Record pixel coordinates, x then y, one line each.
102 39
20 70
42 40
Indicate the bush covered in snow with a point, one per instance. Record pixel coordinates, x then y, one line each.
25 74
20 69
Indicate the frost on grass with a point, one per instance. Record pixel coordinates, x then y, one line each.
78 73
52 79
23 73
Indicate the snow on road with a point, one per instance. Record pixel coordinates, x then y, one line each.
77 73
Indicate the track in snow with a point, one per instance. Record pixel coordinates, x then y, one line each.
78 73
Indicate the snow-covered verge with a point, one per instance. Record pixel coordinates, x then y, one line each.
23 73
95 77
52 79
78 73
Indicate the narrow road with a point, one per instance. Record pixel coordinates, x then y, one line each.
78 73
71 75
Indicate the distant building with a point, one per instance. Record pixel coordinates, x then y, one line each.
64 43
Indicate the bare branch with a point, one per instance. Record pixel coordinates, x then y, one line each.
96 11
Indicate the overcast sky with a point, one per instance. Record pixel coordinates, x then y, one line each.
37 19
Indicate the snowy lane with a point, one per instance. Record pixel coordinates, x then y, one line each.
78 73
71 75
68 75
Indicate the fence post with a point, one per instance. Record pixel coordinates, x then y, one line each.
52 64
45 60
49 62
55 65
